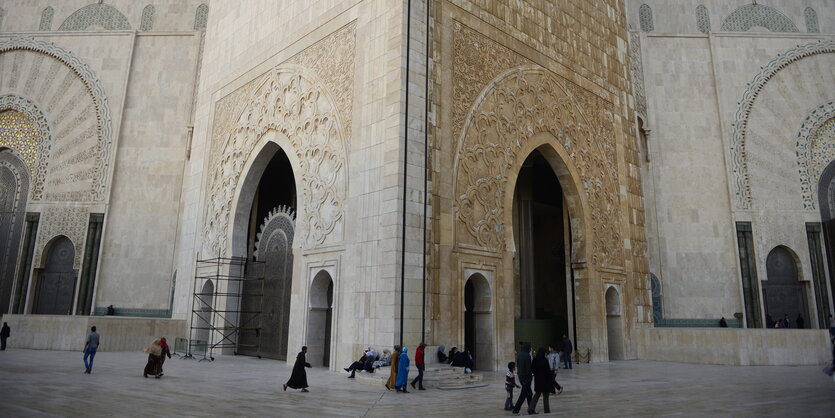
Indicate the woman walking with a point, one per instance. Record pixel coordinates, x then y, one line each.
403 371
298 379
166 351
395 358
543 379
154 354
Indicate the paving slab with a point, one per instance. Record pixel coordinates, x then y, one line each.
52 383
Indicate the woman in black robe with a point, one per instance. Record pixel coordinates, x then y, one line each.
543 379
298 380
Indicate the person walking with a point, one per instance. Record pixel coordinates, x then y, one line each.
567 348
166 351
403 371
553 357
298 379
509 384
523 370
154 351
90 348
5 332
543 382
421 366
395 358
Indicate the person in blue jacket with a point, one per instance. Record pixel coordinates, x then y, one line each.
402 372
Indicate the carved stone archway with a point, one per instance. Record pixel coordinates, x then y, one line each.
292 107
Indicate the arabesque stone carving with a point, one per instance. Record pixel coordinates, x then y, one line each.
62 220
290 102
517 106
815 150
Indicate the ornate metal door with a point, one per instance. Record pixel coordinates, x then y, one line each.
56 282
783 293
274 247
14 186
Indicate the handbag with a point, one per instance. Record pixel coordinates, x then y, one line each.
829 369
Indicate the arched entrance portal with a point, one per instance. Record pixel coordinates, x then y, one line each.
14 188
614 324
542 235
826 204
56 281
782 292
478 321
320 320
270 228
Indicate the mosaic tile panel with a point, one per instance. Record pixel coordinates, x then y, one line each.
20 134
645 16
46 19
201 17
96 15
38 147
147 18
702 19
811 20
759 16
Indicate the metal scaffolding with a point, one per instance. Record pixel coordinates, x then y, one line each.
233 279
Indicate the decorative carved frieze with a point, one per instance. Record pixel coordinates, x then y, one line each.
307 105
29 138
815 150
739 163
62 220
79 118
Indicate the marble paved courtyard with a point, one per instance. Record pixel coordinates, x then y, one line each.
51 383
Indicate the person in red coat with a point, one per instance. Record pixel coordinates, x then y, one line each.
420 366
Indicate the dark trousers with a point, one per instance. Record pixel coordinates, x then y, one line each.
567 360
419 379
525 394
3 343
508 402
545 404
91 354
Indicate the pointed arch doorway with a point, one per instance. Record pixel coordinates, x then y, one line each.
542 234
264 230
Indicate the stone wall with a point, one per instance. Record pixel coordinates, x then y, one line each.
725 107
735 347
63 332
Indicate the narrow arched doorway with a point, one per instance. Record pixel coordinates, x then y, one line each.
269 196
783 293
204 317
56 280
320 319
541 232
478 321
614 324
14 189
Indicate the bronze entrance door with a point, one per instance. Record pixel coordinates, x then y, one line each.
269 311
56 282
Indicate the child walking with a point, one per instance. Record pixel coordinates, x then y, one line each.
509 384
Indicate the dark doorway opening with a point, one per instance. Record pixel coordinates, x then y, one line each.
56 281
271 229
783 294
541 231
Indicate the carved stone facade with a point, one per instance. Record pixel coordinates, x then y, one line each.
742 188
77 143
815 150
292 101
56 221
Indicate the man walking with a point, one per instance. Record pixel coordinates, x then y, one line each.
567 348
523 370
420 366
4 334
90 348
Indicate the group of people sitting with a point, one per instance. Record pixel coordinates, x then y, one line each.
456 358
369 362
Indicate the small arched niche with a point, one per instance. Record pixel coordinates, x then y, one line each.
783 293
478 321
56 279
614 324
320 319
